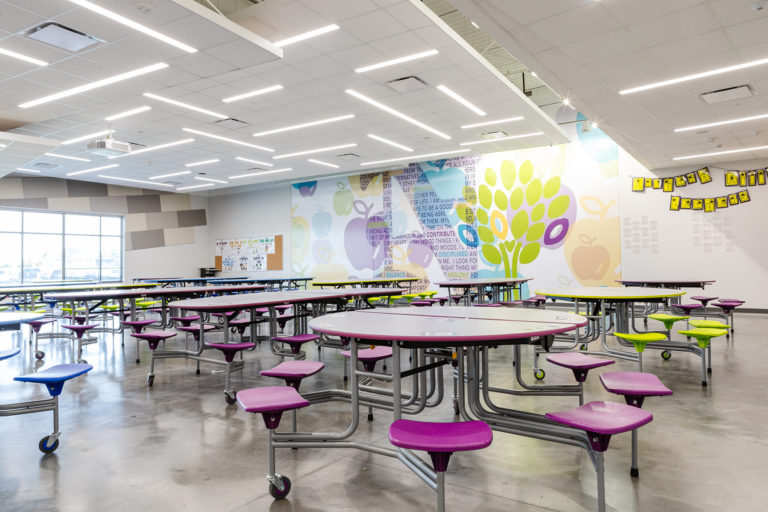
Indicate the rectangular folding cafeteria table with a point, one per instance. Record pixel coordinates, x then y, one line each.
499 286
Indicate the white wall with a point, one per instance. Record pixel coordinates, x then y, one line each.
728 245
262 212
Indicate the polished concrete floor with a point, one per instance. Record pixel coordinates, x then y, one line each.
179 447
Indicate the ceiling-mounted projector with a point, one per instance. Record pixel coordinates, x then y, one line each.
108 147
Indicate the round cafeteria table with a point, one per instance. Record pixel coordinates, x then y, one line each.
13 321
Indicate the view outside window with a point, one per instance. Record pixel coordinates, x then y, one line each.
47 246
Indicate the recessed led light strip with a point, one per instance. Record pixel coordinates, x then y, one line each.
316 150
399 60
154 184
257 92
93 169
23 169
487 123
391 143
320 162
696 76
154 148
305 125
460 99
306 35
728 152
721 123
197 186
415 158
132 24
128 113
212 180
25 58
253 161
86 137
226 139
500 139
95 85
68 157
238 176
185 105
180 173
202 162
394 112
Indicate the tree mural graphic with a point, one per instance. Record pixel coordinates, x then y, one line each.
513 214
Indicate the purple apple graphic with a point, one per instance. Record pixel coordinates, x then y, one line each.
366 250
420 251
306 188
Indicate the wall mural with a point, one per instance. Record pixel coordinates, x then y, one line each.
548 213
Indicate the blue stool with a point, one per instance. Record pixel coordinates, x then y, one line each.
54 379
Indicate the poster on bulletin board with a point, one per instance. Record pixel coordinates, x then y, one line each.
252 254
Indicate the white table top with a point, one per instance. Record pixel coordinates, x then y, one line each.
152 292
440 326
610 293
483 282
20 317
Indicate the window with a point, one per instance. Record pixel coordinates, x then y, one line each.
49 246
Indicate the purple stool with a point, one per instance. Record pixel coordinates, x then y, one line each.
296 341
292 372
195 329
271 402
369 357
441 300
122 314
704 300
513 303
421 303
230 350
580 364
79 330
282 308
241 324
535 300
54 379
35 325
185 321
728 306
136 327
440 440
634 386
153 339
600 420
78 319
687 309
494 305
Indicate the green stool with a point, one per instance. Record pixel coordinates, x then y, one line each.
394 298
710 324
668 321
639 340
702 336
410 296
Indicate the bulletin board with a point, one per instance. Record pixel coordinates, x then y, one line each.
251 254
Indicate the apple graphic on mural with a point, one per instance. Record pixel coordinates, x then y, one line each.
366 238
448 182
321 222
306 188
420 251
343 199
590 261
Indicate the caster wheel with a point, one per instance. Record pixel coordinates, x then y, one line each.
539 374
45 448
150 380
230 397
277 493
666 355
39 355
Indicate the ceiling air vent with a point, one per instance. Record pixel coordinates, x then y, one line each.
43 165
496 134
727 94
230 123
348 156
62 37
407 84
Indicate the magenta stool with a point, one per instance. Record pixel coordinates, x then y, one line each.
153 338
79 330
78 319
240 325
601 420
634 386
136 327
535 300
54 379
441 300
195 329
494 305
271 402
513 303
440 441
703 299
296 341
35 325
369 357
421 303
185 321
230 350
687 309
580 364
293 372
728 306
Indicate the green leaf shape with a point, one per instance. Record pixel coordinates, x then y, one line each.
519 224
558 206
533 191
526 172
516 198
482 216
491 254
508 173
485 234
538 212
552 187
490 176
465 213
485 196
500 199
535 232
529 253
470 195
